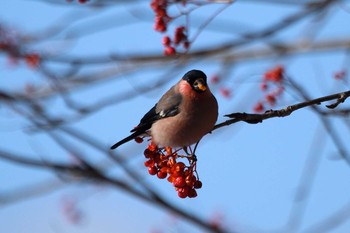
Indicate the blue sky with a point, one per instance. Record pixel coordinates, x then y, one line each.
250 173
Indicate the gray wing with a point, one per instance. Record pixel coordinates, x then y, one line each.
167 106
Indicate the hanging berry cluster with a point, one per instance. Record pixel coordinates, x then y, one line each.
271 86
161 21
163 163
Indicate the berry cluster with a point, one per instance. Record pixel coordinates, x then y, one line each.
162 162
274 77
180 37
161 22
162 18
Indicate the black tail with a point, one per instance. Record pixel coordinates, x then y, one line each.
128 138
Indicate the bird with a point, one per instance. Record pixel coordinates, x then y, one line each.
182 116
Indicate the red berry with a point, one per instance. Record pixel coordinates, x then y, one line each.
259 107
271 99
169 50
160 25
152 170
162 175
186 44
192 193
147 153
171 178
183 192
190 179
197 184
179 35
149 163
171 162
166 40
179 166
179 182
152 147
138 139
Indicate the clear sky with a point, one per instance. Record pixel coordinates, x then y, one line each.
250 173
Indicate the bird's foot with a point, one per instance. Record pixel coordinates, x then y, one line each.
189 154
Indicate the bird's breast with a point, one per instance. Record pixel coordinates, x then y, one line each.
195 119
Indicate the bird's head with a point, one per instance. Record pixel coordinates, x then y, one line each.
197 80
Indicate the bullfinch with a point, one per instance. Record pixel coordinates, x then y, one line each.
182 116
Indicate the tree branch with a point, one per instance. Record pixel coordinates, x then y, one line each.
258 118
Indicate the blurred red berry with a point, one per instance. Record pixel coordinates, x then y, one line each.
215 79
168 51
161 20
166 41
340 75
275 74
32 60
159 24
180 35
271 99
263 86
225 92
259 107
186 44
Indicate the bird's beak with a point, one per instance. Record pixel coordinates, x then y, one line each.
200 85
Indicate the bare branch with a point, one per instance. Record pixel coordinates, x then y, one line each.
258 118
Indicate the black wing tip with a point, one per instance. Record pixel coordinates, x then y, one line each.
128 138
120 143
114 146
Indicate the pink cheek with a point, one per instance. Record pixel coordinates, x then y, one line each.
185 88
